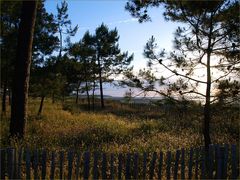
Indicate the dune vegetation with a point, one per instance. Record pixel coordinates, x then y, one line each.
119 127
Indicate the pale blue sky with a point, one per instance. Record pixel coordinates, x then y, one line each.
89 14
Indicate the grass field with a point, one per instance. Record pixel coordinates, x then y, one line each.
119 128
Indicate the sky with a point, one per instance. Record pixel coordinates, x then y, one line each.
89 14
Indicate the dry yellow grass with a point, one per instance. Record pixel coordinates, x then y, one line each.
109 131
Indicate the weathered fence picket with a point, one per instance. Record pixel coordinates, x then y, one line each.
104 166
152 165
190 164
86 165
61 164
120 158
196 162
44 162
70 162
52 171
234 162
175 172
28 164
144 165
19 164
128 165
112 166
168 168
77 170
35 164
135 166
182 163
160 165
217 161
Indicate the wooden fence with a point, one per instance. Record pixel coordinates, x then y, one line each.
219 162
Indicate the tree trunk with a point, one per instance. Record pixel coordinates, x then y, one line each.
22 69
9 97
88 98
4 96
41 106
100 82
207 107
93 98
79 83
60 50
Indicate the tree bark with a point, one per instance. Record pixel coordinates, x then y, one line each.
41 105
88 98
79 83
100 82
4 96
207 107
93 98
22 69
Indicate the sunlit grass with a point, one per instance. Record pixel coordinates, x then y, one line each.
115 129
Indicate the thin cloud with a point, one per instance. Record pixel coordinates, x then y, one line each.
131 20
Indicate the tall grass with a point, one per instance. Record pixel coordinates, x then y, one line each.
118 128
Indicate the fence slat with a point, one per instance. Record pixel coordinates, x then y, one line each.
234 162
86 165
52 171
10 162
95 165
3 163
203 162
144 164
70 162
219 161
210 161
168 168
61 164
176 164
160 164
182 163
35 165
196 163
225 162
14 163
104 166
152 165
19 164
120 158
202 159
190 163
128 166
44 161
112 166
135 166
77 171
28 164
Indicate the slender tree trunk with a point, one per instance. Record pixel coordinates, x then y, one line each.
100 82
60 50
41 105
22 69
4 96
88 97
207 107
79 83
9 97
93 98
